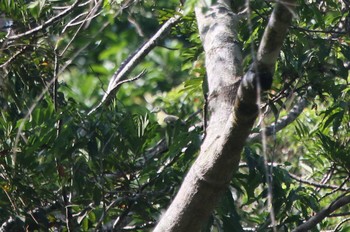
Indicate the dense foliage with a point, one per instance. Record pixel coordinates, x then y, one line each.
119 167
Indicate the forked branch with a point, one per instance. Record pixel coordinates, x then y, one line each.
134 59
46 24
228 126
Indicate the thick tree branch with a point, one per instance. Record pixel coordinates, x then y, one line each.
275 33
263 68
206 179
313 221
227 130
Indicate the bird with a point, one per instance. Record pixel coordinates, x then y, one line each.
171 123
164 119
5 23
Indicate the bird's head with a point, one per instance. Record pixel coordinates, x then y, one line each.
164 118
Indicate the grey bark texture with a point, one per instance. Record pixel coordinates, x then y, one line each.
232 107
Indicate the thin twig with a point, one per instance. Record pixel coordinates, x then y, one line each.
70 23
133 199
76 54
300 179
141 74
46 24
79 28
20 51
319 31
9 197
44 91
120 219
315 184
327 176
66 199
337 189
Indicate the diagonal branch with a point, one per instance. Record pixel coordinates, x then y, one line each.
141 74
313 221
228 128
134 59
316 184
281 123
19 52
275 33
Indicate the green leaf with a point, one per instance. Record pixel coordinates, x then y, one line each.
36 7
189 6
85 224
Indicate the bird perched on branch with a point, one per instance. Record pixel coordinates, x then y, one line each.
164 119
172 124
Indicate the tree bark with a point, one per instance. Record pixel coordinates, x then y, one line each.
232 107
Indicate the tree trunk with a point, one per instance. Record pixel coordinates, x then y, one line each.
232 107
